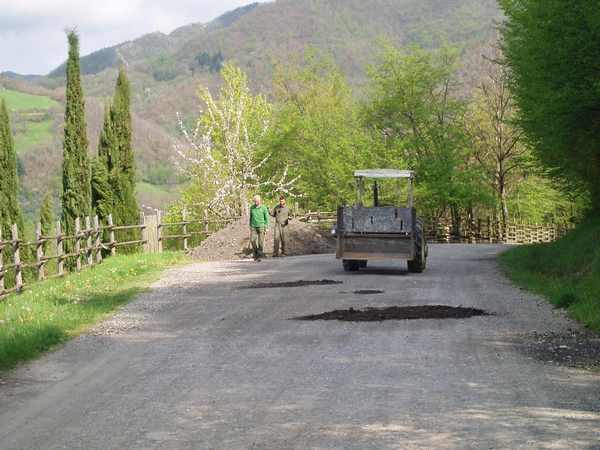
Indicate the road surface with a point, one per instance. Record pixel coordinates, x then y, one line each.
200 363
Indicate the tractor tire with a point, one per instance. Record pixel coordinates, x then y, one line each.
419 264
351 265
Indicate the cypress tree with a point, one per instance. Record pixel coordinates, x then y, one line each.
10 211
121 163
102 168
9 181
76 195
107 145
47 217
102 195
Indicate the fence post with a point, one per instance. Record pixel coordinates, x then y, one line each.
98 241
184 229
144 233
206 229
60 262
17 258
39 252
159 230
78 244
88 242
111 234
1 264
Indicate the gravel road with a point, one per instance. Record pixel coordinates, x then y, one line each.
198 363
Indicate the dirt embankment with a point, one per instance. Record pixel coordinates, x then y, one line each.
233 242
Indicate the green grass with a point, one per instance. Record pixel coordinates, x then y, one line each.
19 101
54 311
566 272
30 134
149 188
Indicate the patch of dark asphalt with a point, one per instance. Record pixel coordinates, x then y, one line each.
397 313
292 284
576 349
368 291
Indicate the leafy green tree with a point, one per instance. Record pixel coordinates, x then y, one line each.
552 48
76 193
413 104
317 133
497 141
221 156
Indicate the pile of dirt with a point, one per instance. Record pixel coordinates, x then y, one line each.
233 242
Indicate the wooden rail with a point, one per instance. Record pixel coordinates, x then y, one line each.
474 231
90 242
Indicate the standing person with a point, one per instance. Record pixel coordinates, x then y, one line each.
259 223
282 217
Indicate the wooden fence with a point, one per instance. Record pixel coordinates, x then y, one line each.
480 231
91 243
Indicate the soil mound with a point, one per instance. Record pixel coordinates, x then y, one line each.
233 242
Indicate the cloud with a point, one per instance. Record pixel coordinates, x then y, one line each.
32 36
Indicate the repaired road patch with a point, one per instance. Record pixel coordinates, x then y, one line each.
397 313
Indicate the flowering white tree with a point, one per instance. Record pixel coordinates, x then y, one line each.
220 154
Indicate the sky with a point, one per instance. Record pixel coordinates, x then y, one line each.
32 37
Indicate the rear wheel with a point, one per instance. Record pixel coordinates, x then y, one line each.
418 264
351 265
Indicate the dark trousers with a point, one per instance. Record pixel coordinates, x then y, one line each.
257 238
279 238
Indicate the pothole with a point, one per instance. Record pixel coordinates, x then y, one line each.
398 313
292 284
368 291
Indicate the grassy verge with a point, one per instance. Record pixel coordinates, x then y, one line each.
566 272
53 311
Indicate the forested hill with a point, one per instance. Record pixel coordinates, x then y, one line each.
165 70
258 34
254 34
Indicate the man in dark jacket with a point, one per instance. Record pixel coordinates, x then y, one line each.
282 217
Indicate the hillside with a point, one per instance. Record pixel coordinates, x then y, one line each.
165 70
37 125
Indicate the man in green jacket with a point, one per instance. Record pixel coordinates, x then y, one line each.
259 224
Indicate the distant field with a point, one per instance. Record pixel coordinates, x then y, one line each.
30 134
156 196
31 130
19 101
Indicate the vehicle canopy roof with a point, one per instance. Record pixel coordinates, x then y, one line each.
384 173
